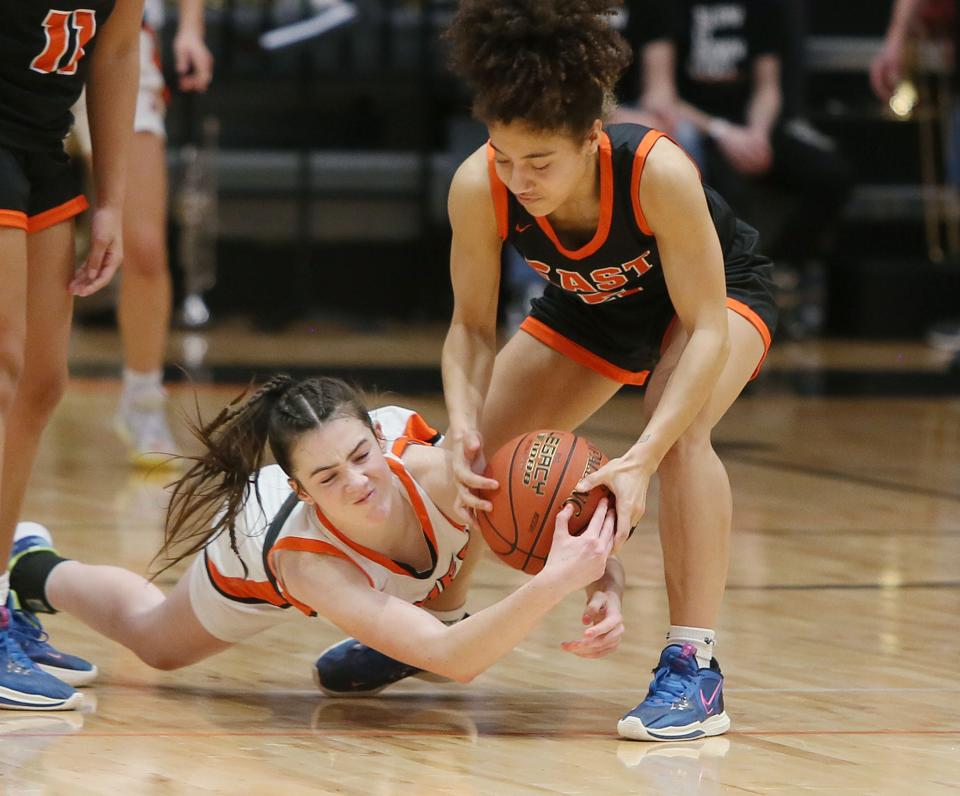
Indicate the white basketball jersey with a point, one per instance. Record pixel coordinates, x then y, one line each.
250 577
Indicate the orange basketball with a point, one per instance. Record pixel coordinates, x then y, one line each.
537 473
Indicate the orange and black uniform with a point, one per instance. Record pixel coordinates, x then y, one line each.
606 305
44 56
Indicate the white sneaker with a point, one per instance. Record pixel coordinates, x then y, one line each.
141 422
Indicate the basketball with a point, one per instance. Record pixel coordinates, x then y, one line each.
537 473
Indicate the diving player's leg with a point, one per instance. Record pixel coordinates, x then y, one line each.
164 631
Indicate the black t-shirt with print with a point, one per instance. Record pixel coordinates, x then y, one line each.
717 42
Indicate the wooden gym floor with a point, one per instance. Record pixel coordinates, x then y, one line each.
838 635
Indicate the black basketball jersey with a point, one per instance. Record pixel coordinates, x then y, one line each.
44 56
621 264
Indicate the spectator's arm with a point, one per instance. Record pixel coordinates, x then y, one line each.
193 60
766 99
886 67
658 95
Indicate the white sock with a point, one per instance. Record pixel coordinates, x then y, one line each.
4 587
25 529
701 637
138 381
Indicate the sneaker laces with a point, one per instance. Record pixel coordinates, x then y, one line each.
671 681
24 626
15 653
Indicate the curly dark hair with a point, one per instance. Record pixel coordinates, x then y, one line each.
551 64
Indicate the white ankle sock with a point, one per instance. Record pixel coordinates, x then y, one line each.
4 587
138 381
27 528
701 637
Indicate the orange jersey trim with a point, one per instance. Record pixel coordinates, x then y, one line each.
606 209
499 192
743 310
419 509
243 588
55 215
14 219
553 339
316 546
639 161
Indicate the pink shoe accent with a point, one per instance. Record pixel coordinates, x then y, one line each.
708 703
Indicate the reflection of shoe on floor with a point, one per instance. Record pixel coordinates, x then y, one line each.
635 754
390 716
141 422
352 669
684 702
41 723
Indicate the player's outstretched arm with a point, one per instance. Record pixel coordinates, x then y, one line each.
111 96
338 591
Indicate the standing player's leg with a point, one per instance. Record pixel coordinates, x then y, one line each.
695 518
143 312
50 254
22 685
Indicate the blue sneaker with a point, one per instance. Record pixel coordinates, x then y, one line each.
350 669
684 701
22 685
32 537
29 634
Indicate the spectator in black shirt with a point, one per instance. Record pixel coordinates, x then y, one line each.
712 75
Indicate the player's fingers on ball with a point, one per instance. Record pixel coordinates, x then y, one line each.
563 519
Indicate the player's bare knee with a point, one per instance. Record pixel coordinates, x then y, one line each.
160 659
11 368
145 254
41 390
690 447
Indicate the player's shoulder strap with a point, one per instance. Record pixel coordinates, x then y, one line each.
273 531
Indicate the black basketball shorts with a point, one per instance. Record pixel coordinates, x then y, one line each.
37 189
623 340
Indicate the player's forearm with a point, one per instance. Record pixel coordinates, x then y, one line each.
613 579
686 392
111 98
467 365
190 19
694 115
474 644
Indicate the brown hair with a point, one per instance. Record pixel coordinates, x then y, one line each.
210 496
551 64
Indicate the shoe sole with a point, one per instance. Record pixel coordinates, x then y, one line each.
17 700
429 677
633 729
145 460
74 677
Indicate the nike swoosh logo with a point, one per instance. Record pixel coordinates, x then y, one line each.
524 228
708 703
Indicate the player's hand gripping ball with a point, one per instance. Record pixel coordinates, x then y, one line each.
537 473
